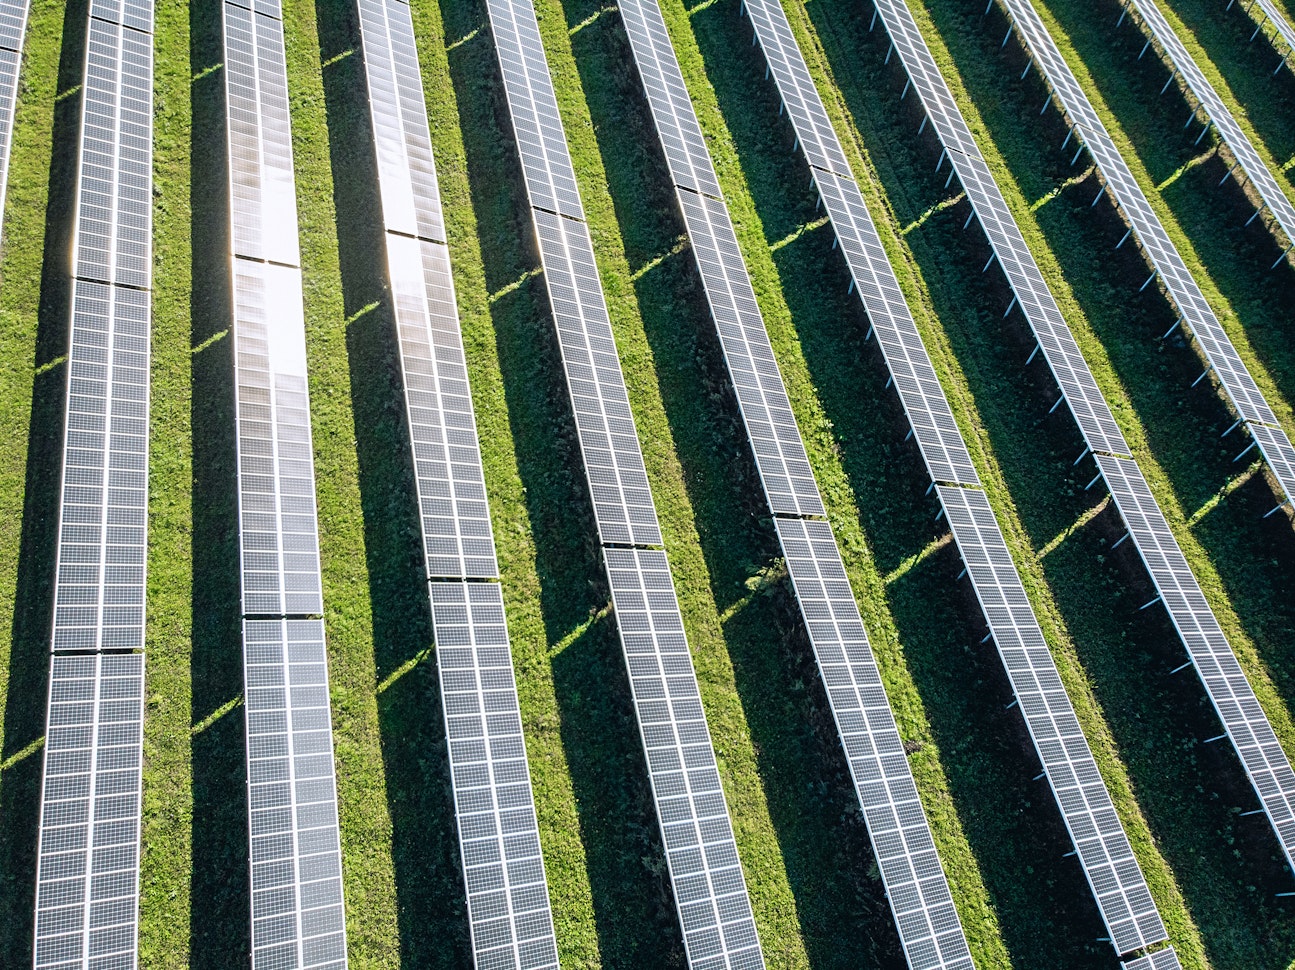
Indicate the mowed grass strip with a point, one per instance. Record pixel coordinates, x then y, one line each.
1197 837
166 858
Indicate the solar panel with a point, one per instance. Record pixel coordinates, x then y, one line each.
1219 115
1165 959
411 203
609 443
677 129
925 77
99 585
114 192
814 132
136 14
1225 682
296 863
278 533
915 884
270 8
533 108
87 881
508 902
263 194
438 402
10 64
1237 383
762 397
710 891
13 24
1108 862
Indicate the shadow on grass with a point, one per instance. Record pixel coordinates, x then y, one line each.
841 909
433 926
220 919
25 703
1223 866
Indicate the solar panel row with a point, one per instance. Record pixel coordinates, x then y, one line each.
13 25
1230 692
1217 113
1103 849
297 910
701 853
928 923
87 876
1274 780
508 905
1235 380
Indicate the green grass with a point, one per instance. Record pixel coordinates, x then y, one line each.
814 886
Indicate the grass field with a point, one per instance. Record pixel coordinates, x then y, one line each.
814 885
